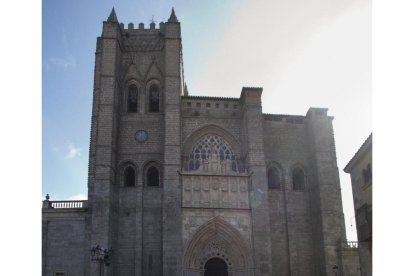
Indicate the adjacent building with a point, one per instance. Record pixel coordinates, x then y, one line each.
360 169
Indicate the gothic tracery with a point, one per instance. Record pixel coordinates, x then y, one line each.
212 154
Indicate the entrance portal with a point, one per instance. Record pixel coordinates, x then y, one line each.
215 267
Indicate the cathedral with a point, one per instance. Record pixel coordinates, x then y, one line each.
193 185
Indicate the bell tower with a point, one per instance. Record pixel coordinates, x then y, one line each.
135 147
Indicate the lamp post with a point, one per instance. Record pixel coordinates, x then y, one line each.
335 269
102 256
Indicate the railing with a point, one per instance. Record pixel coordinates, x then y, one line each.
66 204
352 244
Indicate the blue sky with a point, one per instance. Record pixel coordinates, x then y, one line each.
69 29
303 53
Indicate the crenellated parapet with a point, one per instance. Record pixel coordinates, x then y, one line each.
141 38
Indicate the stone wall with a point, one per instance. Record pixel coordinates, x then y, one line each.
290 219
129 236
350 262
64 241
328 227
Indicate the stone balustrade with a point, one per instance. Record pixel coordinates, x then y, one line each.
352 244
65 204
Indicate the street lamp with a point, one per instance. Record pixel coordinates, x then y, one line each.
335 268
102 256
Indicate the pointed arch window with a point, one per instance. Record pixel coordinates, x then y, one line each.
298 179
132 102
153 177
129 177
273 178
154 98
208 146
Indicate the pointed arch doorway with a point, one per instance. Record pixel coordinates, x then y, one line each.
217 249
215 267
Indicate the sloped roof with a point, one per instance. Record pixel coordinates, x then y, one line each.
367 145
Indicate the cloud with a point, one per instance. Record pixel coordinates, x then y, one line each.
78 197
73 152
67 62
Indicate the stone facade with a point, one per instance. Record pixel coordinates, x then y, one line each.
179 184
360 169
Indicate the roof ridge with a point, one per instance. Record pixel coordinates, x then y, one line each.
356 155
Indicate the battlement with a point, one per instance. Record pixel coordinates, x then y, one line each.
131 29
219 106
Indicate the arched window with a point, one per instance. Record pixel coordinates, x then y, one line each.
273 178
298 179
154 98
132 103
209 145
153 177
129 177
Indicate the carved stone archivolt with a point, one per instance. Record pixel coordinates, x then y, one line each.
218 239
